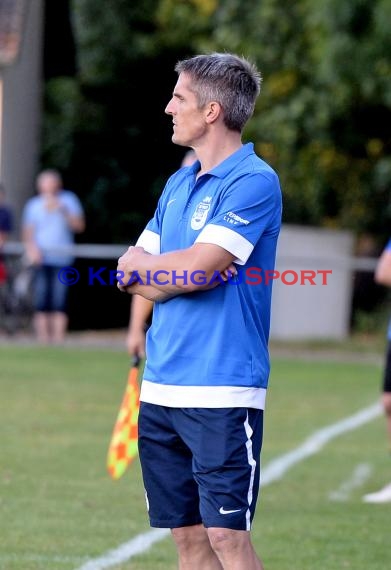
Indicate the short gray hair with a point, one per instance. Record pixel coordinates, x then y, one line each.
230 80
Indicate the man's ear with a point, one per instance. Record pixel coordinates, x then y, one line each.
213 111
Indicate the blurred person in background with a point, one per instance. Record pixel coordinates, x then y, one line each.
50 221
383 277
140 310
5 230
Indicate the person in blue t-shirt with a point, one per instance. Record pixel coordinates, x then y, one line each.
383 277
49 223
203 391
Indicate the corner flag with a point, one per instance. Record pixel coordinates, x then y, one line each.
123 446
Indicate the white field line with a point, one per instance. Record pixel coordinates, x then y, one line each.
139 544
278 467
272 472
361 474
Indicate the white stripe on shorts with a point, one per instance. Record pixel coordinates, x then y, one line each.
253 464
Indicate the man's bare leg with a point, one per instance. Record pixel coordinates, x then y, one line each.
59 327
234 549
386 401
194 549
41 324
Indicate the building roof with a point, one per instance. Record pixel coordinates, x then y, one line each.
11 24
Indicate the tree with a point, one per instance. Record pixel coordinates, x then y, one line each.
322 118
105 123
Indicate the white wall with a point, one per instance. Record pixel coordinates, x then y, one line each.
304 311
20 140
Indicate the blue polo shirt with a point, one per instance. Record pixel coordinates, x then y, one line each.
210 348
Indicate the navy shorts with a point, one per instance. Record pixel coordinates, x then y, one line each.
200 465
49 293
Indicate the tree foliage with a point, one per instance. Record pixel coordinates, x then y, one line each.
322 119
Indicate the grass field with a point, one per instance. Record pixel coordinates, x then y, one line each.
58 507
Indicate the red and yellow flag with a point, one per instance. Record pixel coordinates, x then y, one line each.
123 446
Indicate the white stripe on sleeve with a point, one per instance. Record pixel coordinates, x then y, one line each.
229 240
150 241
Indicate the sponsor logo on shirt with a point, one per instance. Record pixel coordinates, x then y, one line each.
234 219
198 219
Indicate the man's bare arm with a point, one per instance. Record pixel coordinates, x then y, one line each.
183 271
33 252
140 311
76 222
383 269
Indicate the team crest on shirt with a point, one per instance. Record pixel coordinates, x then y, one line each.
198 219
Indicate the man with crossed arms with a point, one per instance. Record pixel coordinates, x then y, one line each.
207 368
